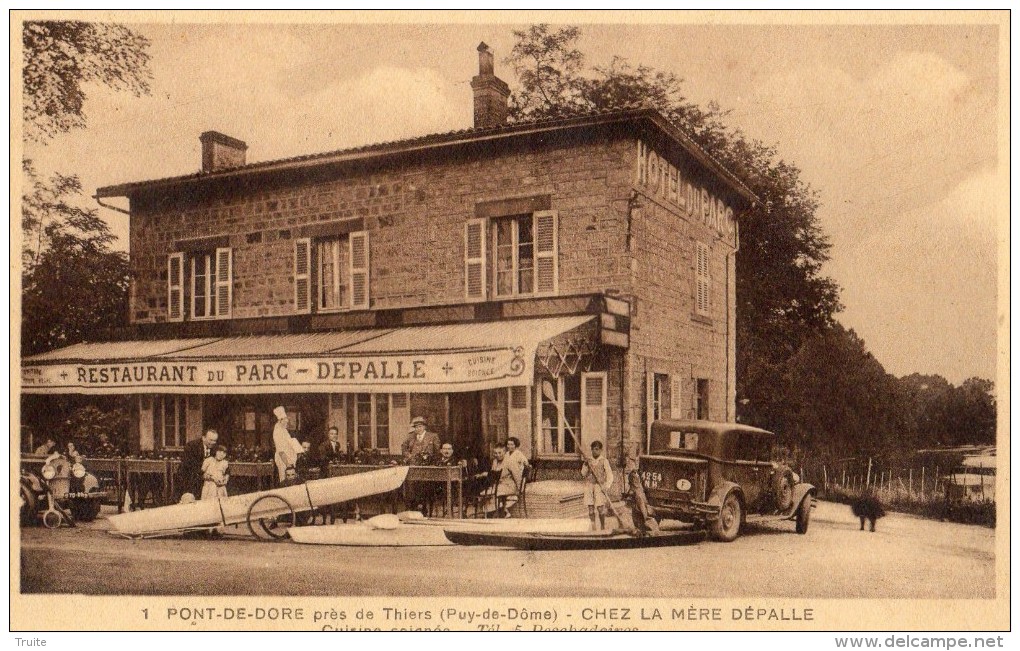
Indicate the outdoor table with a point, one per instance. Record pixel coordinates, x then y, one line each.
148 471
448 476
261 471
112 470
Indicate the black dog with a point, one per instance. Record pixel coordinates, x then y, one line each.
867 507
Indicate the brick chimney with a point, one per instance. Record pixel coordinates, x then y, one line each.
491 92
220 152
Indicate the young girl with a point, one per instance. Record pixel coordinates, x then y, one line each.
594 496
216 472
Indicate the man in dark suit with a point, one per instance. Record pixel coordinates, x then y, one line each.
329 451
195 452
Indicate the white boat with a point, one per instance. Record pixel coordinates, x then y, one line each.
517 525
359 534
235 509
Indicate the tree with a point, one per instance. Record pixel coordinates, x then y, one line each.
73 284
832 396
61 57
782 297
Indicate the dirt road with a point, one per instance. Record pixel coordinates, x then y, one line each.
907 557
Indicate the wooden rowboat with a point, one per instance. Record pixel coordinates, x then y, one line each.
425 532
262 505
571 541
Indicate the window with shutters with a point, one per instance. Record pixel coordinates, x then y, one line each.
703 281
524 254
170 421
559 411
371 420
200 285
331 274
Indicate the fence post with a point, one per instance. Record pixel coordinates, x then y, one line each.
910 480
825 478
868 480
922 482
981 477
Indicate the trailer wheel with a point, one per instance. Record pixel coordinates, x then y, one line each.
271 527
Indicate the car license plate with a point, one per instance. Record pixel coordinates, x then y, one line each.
651 479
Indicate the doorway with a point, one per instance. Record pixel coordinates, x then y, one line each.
466 425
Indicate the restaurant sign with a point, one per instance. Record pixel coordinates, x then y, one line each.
433 372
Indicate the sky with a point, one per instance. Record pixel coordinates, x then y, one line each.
895 127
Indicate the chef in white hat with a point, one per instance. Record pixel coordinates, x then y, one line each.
285 454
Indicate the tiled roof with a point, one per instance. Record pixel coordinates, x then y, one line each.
445 138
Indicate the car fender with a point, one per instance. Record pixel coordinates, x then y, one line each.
721 490
801 492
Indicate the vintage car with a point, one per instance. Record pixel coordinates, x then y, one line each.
60 492
719 476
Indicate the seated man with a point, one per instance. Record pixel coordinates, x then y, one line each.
506 479
437 492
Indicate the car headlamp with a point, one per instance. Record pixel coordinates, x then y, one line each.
78 470
49 472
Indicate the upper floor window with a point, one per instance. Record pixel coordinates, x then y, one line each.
524 260
200 284
331 273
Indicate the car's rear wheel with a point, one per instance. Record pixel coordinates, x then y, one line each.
804 514
726 527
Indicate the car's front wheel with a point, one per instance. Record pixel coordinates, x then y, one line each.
804 514
726 527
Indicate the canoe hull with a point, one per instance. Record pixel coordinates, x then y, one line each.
234 510
572 541
508 525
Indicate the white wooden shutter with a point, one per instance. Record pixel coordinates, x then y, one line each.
518 417
649 408
146 431
359 270
193 418
224 282
593 408
474 259
702 297
303 275
676 409
400 421
546 252
175 287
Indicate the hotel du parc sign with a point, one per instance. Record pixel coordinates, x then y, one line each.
663 180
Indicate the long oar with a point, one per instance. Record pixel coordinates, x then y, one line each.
547 391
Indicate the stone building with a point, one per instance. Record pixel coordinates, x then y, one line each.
450 276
